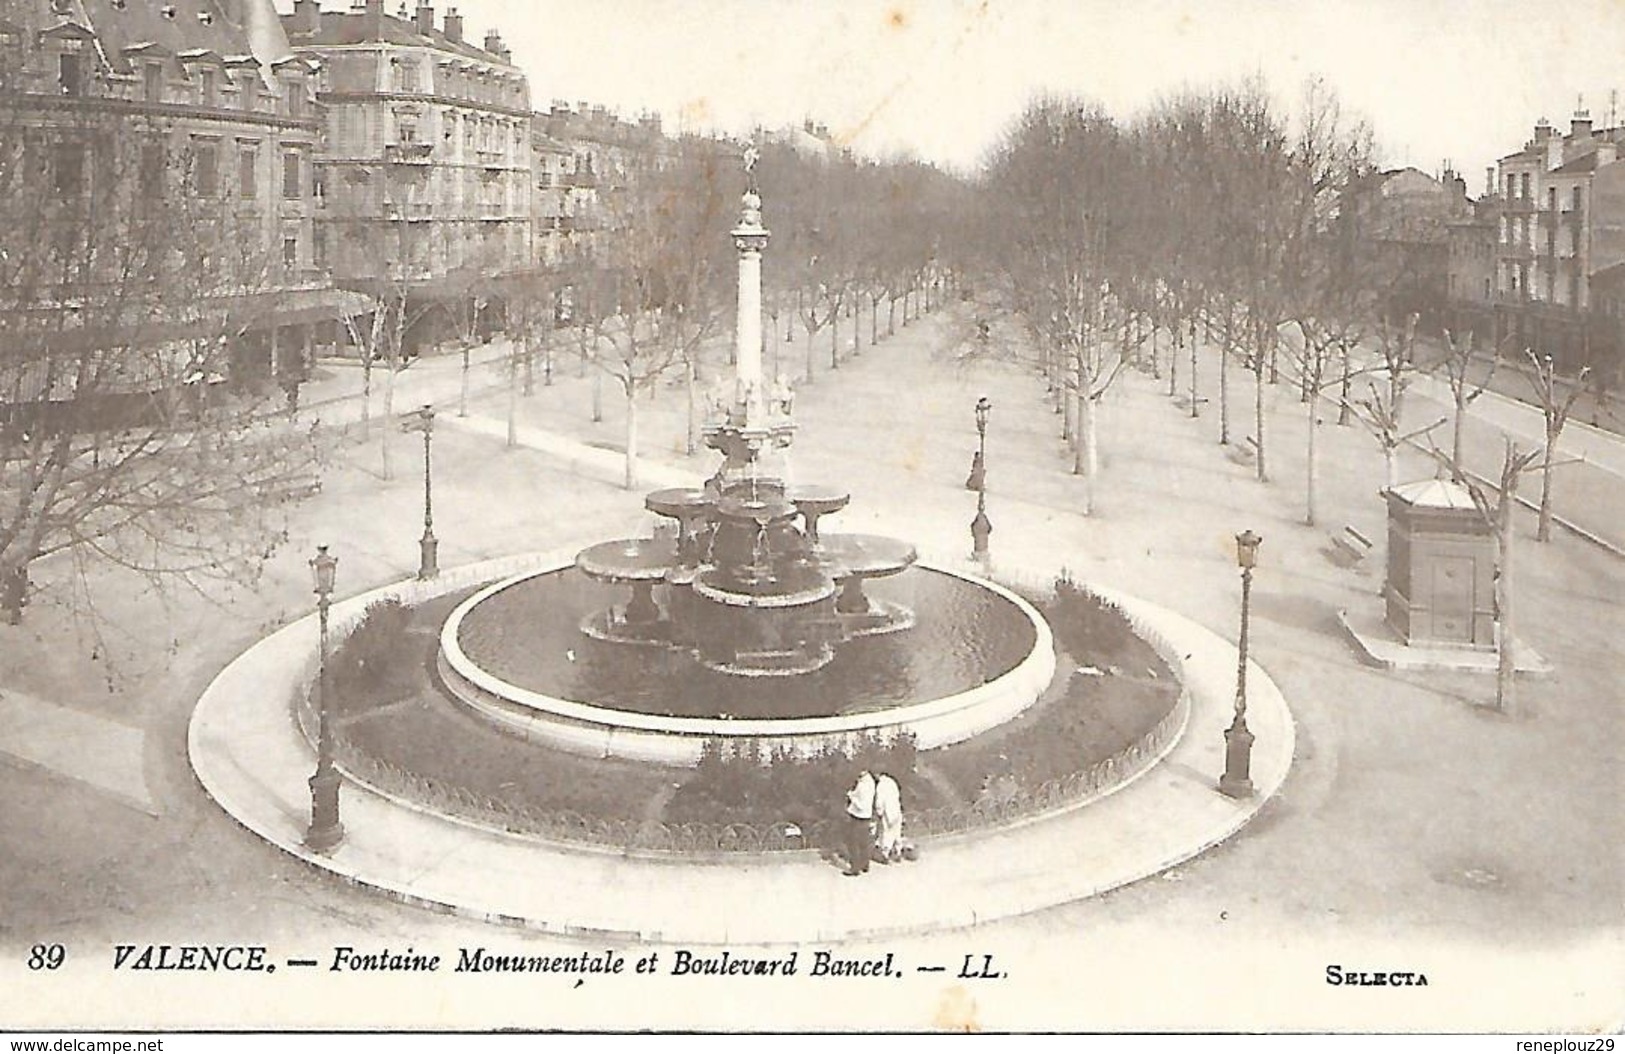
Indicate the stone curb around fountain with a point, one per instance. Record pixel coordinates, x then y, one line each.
251 758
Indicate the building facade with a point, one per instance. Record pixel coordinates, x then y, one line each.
1560 225
424 172
190 123
1403 216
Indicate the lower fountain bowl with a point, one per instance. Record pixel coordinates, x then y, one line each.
540 712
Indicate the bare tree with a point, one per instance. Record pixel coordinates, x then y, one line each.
1381 410
1457 366
134 420
1556 399
1055 211
1495 502
668 267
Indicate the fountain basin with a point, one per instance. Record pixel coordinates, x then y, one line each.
593 730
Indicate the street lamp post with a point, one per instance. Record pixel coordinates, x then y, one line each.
1238 741
977 480
980 527
428 545
325 831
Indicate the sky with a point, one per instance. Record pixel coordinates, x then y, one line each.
1462 81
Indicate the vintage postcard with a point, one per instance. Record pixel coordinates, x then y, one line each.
739 516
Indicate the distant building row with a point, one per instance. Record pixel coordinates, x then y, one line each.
1540 263
356 149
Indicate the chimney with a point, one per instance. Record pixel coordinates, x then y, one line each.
1554 153
493 41
1580 125
307 16
454 26
425 18
1489 181
1543 130
372 23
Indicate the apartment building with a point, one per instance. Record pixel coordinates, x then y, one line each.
424 183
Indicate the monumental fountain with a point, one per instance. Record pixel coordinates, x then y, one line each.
743 618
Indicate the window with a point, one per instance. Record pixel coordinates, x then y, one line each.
290 253
408 75
406 129
70 169
247 175
152 171
205 169
69 74
152 80
296 99
1526 193
318 249
205 88
290 174
1511 186
1551 199
1576 203
318 185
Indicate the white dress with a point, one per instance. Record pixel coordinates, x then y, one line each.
889 818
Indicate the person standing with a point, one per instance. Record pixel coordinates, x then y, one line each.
888 819
860 831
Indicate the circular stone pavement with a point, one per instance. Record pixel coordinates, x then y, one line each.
254 762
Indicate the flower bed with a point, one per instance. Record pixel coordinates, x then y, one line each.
1108 714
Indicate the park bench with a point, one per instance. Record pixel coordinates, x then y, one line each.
1244 452
1351 541
292 487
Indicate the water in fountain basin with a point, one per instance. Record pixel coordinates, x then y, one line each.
529 635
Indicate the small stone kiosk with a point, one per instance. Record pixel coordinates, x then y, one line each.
1441 564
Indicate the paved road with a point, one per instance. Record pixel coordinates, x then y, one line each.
1416 831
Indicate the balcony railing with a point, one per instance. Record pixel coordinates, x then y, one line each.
415 210
409 153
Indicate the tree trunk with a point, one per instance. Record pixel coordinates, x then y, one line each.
597 397
857 318
691 438
1543 529
1173 359
462 391
1390 464
366 392
1088 461
1312 472
631 437
1156 361
891 316
874 322
810 332
1505 659
1258 410
1196 404
1066 403
1455 432
1343 410
1224 382
835 339
513 402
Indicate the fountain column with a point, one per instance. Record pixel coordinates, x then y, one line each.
750 238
